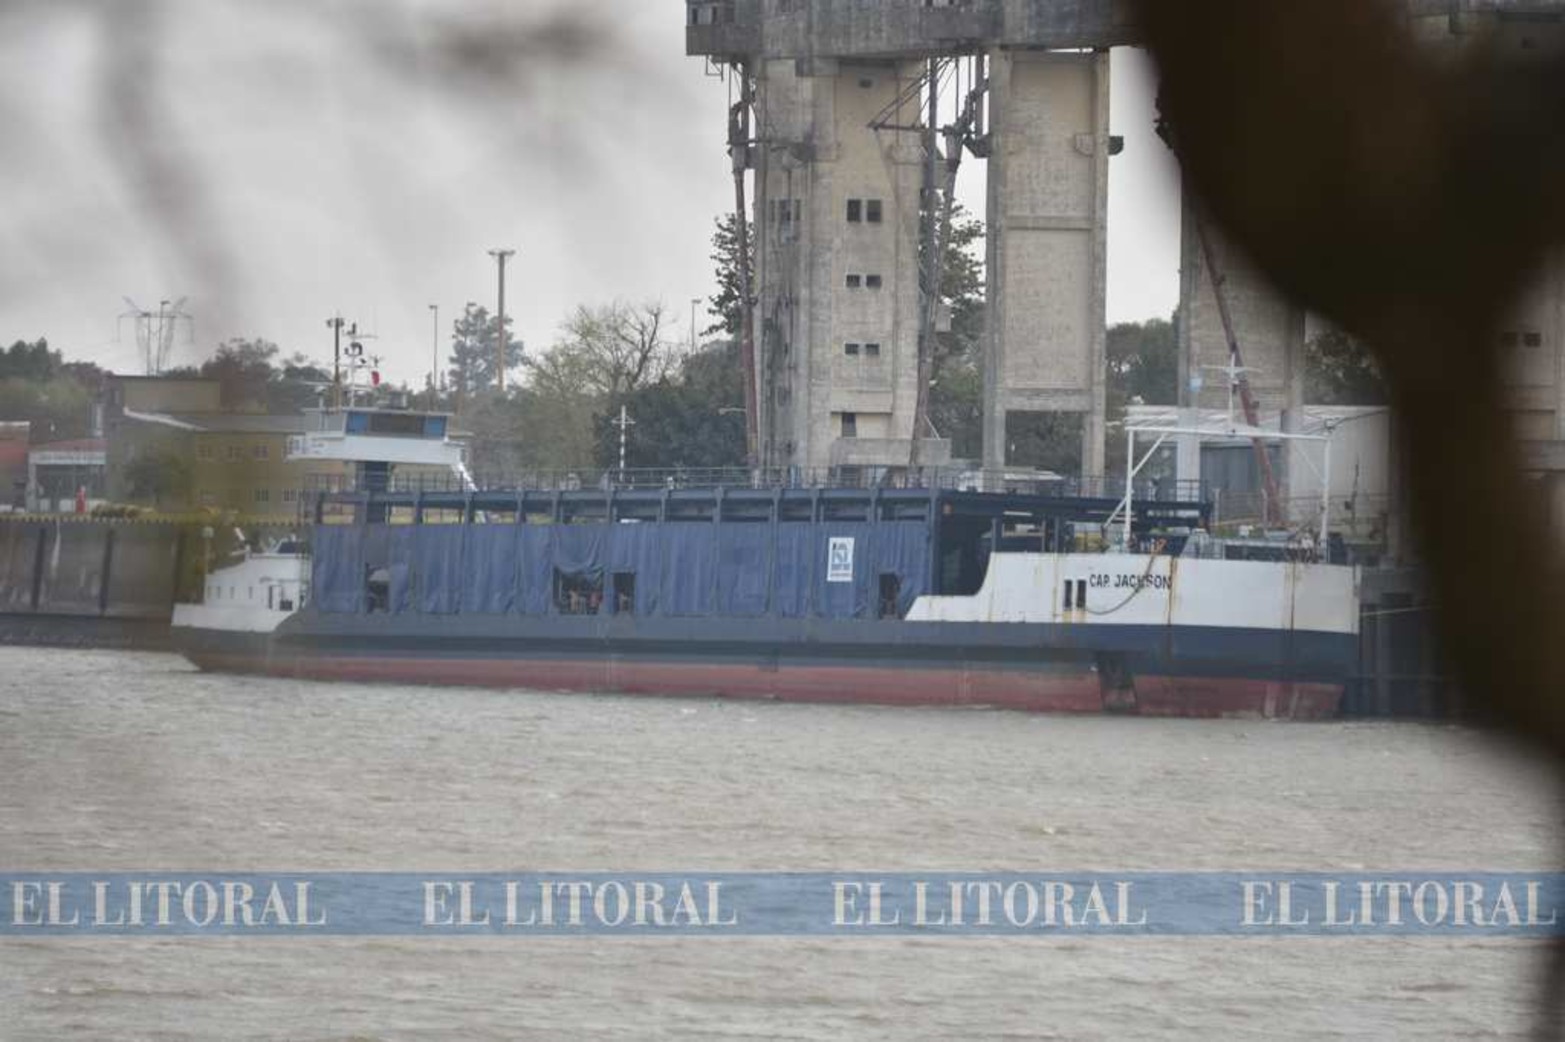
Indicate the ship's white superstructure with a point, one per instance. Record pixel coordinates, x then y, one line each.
1137 590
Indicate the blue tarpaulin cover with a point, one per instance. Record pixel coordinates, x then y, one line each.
336 579
902 549
536 569
734 569
638 550
794 557
489 568
843 599
743 566
400 543
690 568
438 568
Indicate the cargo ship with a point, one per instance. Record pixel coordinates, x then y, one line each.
771 589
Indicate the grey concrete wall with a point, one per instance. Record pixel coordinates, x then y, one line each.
803 29
18 552
819 153
141 580
1047 255
73 569
793 29
1269 328
70 575
1047 244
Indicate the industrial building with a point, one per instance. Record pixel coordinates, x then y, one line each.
843 177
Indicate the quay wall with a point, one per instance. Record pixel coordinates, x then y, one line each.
93 583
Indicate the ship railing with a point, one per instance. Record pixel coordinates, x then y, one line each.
946 479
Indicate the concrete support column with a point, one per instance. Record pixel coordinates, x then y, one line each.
1047 246
836 230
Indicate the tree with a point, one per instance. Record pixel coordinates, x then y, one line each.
158 475
1045 440
29 361
298 385
1339 370
727 304
53 396
472 359
243 370
1143 362
58 409
692 419
956 403
608 351
1143 366
956 399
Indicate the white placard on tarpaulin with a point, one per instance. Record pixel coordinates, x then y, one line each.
839 560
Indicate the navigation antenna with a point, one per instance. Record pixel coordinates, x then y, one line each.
155 330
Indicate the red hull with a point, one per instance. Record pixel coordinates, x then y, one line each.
1061 692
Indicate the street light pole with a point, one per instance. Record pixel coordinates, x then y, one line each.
694 302
434 356
501 256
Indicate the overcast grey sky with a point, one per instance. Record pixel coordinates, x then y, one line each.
311 157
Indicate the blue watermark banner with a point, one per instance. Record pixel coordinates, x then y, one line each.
766 904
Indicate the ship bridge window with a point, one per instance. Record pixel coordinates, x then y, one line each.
577 593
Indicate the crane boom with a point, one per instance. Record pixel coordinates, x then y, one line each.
1271 511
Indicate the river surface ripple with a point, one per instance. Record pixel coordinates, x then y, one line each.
125 762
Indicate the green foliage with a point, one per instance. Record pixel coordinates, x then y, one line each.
33 362
1045 440
1143 362
956 399
38 387
692 419
962 283
956 403
604 355
608 351
251 379
727 304
243 369
472 360
159 475
297 386
1339 370
59 408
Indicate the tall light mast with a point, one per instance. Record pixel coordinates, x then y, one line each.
500 339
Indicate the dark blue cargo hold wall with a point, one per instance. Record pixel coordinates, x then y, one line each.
792 569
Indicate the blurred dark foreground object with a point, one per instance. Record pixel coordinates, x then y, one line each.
1410 198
